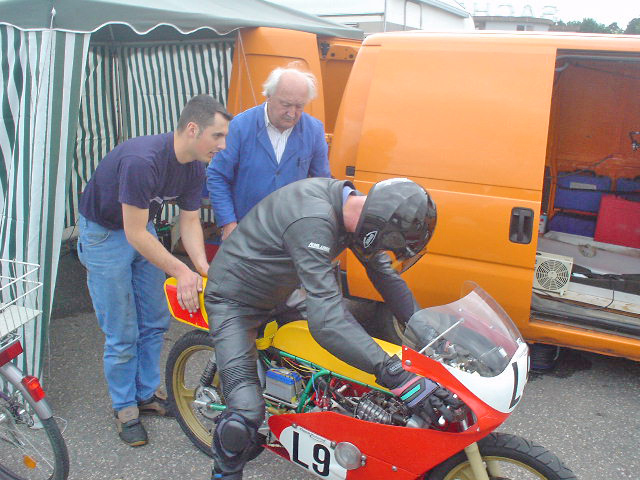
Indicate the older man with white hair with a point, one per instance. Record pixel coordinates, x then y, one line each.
268 147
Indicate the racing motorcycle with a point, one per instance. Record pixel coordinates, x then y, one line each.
334 421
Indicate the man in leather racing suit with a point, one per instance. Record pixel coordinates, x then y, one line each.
290 238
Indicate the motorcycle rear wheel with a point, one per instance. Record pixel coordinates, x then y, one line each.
189 397
185 364
518 459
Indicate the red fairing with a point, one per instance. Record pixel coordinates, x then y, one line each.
196 319
385 446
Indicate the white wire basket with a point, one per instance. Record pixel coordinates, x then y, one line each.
19 287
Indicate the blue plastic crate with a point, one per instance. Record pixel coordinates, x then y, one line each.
584 225
629 185
577 191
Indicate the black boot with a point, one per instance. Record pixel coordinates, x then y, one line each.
218 474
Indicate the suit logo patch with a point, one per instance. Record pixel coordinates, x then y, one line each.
317 246
369 238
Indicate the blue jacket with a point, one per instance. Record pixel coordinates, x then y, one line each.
246 171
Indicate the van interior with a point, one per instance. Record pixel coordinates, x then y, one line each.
587 270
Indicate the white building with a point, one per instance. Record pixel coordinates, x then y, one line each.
521 24
374 16
519 15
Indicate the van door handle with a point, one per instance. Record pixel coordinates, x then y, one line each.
521 228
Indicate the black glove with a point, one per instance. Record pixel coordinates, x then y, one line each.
421 395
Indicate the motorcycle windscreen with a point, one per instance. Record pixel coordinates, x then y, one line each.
474 332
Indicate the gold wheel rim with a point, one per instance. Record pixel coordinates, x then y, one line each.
184 397
463 470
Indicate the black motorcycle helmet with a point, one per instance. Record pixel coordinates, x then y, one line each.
398 217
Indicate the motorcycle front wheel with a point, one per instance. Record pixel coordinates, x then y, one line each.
31 448
506 457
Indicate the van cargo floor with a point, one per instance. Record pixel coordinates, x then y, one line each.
604 288
598 257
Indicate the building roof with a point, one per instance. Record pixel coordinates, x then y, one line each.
364 7
505 19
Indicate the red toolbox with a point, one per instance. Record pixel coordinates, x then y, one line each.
618 222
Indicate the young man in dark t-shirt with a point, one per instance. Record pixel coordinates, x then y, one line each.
126 264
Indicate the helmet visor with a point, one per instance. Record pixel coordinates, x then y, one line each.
402 262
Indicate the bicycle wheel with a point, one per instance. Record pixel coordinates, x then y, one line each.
31 448
506 457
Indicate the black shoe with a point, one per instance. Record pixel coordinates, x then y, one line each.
218 474
226 476
130 429
156 405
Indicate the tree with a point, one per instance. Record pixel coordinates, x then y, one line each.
614 28
589 25
633 28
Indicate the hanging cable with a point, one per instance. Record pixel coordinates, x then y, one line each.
246 67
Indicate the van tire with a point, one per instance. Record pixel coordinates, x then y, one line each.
377 320
387 326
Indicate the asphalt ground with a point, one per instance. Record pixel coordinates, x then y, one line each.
586 410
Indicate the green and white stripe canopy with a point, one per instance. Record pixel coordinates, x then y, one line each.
79 76
143 16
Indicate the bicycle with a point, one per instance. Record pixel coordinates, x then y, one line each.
31 444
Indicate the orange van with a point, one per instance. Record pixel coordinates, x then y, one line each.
506 129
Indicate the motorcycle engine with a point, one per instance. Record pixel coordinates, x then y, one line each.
380 408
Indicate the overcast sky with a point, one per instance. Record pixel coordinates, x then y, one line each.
603 11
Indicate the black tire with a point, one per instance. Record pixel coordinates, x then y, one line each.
514 452
44 445
389 327
377 319
185 364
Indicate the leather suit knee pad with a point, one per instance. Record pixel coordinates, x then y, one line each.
234 436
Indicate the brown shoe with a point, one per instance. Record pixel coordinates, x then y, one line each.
130 429
156 405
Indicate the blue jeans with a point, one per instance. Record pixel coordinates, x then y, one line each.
129 301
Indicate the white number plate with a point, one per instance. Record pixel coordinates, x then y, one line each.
312 452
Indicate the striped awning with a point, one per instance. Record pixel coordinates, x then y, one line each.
39 99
